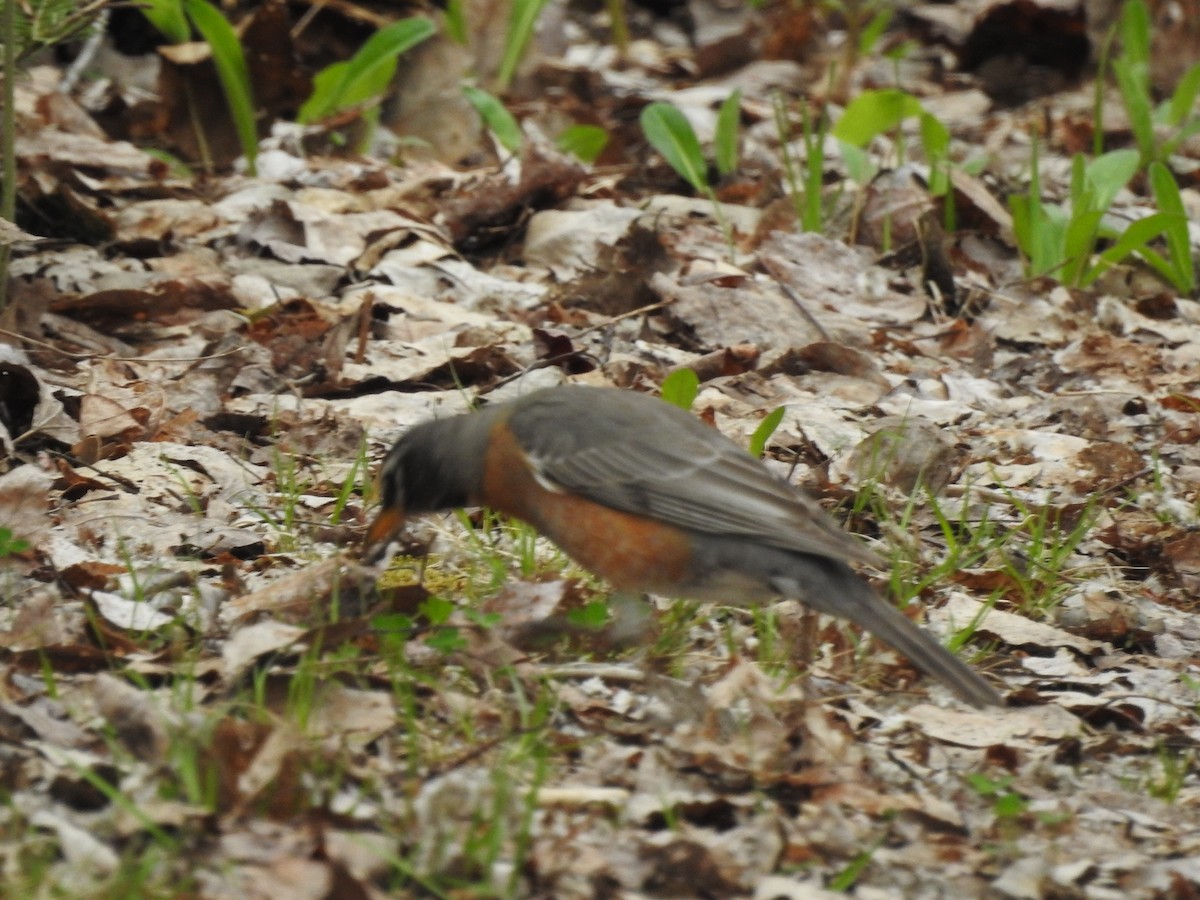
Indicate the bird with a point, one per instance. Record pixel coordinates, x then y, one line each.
648 497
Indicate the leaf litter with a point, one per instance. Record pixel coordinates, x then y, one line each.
201 681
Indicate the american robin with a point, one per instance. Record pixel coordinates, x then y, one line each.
651 499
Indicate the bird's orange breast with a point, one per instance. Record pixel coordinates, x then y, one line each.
630 551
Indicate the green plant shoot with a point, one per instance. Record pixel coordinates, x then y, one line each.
766 428
367 74
681 387
585 142
498 120
230 63
725 141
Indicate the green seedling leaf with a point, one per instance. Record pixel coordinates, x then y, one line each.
482 619
9 544
393 623
1183 101
585 142
766 428
168 17
1079 239
521 23
936 139
231 68
324 100
1136 239
671 134
1108 174
725 143
455 19
1040 229
874 30
1135 32
1010 805
436 610
813 216
394 630
446 640
1133 80
499 120
681 387
593 615
1179 246
873 113
858 163
986 786
367 74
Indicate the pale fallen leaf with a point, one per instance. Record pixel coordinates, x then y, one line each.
1008 727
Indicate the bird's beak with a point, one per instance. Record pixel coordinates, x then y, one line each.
385 527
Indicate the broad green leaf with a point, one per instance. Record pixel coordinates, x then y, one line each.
873 113
231 68
499 120
681 387
586 142
670 133
725 142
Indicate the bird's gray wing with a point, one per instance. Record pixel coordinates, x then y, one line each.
641 455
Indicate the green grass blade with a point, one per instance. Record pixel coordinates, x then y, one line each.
168 17
520 29
1079 239
935 137
1179 246
231 69
1133 80
1183 101
766 428
725 142
1135 32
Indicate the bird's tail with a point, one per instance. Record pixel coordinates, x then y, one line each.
839 591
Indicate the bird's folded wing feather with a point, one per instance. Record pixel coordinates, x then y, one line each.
648 457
